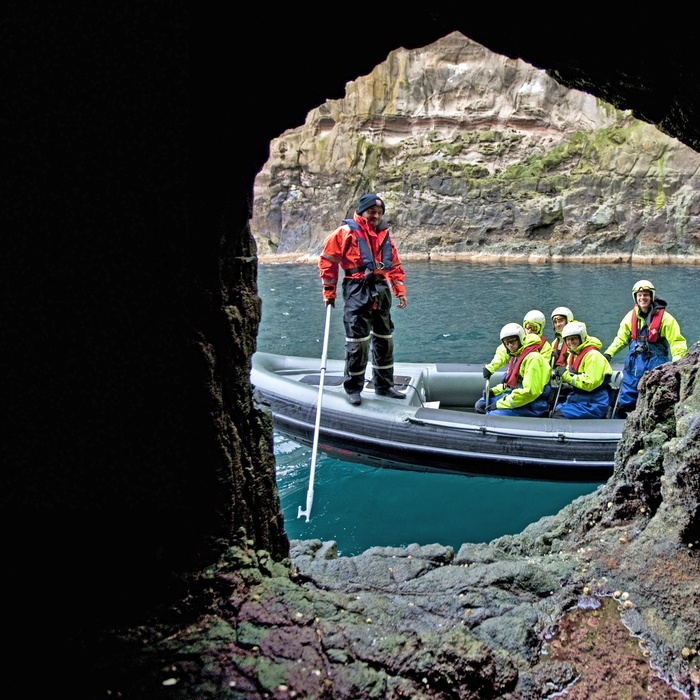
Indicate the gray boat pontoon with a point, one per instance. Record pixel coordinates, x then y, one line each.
435 428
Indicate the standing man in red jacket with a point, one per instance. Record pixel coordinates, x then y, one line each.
372 271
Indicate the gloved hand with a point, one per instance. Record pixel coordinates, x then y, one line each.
330 302
487 374
607 357
559 370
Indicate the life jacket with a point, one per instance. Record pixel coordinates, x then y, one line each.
514 363
651 328
576 363
540 345
558 355
370 264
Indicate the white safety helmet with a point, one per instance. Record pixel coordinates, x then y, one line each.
643 286
575 328
511 329
563 311
537 317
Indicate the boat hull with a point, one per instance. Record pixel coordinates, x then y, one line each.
434 428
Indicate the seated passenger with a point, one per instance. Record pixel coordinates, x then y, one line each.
560 317
525 388
533 322
588 372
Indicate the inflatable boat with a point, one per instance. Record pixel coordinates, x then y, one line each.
435 428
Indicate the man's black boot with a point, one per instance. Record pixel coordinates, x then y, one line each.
354 399
390 392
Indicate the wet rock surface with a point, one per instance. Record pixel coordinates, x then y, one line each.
597 601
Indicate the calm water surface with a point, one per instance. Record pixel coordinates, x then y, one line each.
455 313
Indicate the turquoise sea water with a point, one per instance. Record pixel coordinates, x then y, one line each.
455 313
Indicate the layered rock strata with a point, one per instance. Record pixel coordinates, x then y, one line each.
479 156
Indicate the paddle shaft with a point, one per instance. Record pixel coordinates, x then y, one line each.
617 398
556 399
314 449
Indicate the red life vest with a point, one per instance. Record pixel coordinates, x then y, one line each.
514 365
383 245
654 331
558 355
576 363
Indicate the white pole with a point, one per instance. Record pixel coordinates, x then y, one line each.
314 449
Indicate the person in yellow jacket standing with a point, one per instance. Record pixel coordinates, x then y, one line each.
525 388
588 373
533 322
654 337
372 270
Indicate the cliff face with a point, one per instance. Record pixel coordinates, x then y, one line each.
477 154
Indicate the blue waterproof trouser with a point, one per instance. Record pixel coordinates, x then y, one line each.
586 404
637 364
539 408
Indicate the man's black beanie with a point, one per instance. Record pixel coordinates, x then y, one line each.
369 200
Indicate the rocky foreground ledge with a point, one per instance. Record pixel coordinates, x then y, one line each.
598 601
